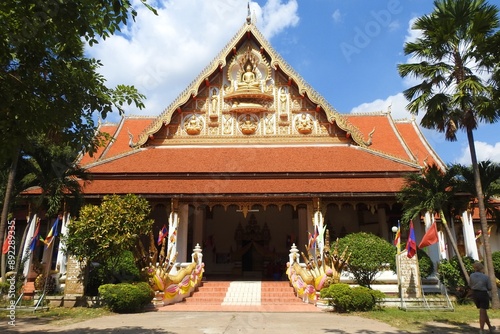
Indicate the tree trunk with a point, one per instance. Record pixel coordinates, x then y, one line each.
454 245
495 301
6 202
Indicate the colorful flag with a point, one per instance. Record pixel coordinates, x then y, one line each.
35 238
52 233
162 234
397 237
9 237
430 237
411 245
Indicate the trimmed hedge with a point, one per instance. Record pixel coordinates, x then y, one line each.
126 297
347 299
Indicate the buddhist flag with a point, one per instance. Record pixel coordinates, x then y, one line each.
411 245
52 233
162 234
35 238
397 237
10 235
430 237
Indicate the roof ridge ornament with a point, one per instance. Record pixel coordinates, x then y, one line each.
249 16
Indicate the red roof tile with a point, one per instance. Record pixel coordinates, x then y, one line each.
252 159
195 186
385 138
415 140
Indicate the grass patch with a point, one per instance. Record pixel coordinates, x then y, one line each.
418 321
61 315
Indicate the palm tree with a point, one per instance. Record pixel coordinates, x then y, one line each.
452 53
433 191
490 183
52 168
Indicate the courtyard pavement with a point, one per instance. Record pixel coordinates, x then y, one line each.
173 322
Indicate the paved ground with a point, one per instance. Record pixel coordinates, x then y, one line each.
174 322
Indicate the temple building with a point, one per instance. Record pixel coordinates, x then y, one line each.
248 152
241 160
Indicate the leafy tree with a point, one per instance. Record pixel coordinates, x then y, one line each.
490 182
452 276
47 84
369 253
457 44
433 191
104 232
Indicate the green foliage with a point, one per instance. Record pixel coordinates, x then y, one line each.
451 276
126 297
496 263
122 269
369 254
424 263
47 84
105 231
347 299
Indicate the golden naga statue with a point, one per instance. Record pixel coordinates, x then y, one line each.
321 270
173 287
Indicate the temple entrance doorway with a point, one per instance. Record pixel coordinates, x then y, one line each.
248 245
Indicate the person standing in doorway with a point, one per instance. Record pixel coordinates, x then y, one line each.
481 287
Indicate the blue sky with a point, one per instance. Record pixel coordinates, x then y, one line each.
347 50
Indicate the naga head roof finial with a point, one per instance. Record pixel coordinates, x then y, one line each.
249 16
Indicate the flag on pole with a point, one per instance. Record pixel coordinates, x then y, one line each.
52 234
8 237
162 234
61 256
397 237
36 237
430 237
411 245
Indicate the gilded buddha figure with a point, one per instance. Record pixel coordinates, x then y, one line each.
304 124
193 126
248 79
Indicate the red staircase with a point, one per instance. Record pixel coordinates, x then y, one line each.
276 296
278 293
210 293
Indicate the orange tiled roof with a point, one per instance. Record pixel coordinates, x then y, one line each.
207 186
256 159
417 143
384 138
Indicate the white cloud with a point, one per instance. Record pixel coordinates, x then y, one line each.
161 55
337 16
397 104
484 151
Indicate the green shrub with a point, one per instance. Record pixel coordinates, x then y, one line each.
369 254
451 276
496 263
347 299
122 269
126 297
425 264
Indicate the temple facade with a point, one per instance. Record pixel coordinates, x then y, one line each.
241 161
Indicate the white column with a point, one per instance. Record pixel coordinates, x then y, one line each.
469 236
182 233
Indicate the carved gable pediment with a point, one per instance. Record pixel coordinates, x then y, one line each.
249 93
